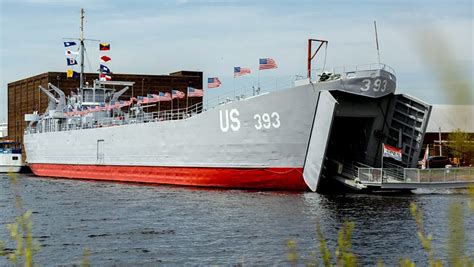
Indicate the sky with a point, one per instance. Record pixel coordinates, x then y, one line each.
213 36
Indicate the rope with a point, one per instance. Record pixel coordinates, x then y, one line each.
88 60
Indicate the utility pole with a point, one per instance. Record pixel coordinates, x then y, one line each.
440 147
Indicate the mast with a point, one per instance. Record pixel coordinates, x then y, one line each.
81 39
377 40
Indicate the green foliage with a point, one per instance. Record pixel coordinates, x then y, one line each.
456 235
323 247
293 253
407 263
459 143
439 56
343 252
85 258
344 255
21 232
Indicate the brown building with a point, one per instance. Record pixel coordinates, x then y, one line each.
24 96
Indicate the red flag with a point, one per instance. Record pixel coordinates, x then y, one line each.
105 58
104 47
392 152
105 77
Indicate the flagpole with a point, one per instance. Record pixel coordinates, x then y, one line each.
81 78
428 155
258 79
187 103
381 169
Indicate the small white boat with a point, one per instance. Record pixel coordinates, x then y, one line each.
10 156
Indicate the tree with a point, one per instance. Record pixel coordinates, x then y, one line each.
460 143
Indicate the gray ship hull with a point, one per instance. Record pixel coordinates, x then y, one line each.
265 135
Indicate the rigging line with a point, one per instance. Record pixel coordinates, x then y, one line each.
88 60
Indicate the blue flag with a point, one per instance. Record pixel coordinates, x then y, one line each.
104 69
67 44
71 61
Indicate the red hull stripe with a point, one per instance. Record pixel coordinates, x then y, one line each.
250 178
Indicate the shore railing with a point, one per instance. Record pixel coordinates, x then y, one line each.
412 175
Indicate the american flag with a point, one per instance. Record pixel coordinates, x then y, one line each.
193 92
139 99
267 63
151 98
213 82
177 94
156 98
164 96
238 71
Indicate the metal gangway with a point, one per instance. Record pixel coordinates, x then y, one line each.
412 178
361 177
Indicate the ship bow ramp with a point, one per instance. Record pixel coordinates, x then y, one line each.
350 126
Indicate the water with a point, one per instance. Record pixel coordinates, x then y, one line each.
130 224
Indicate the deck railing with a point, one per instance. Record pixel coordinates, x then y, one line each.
140 117
352 68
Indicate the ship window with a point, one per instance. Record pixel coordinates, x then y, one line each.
88 96
14 158
99 95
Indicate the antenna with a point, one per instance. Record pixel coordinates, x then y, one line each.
377 40
81 79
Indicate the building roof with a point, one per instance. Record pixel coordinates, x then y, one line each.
450 118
